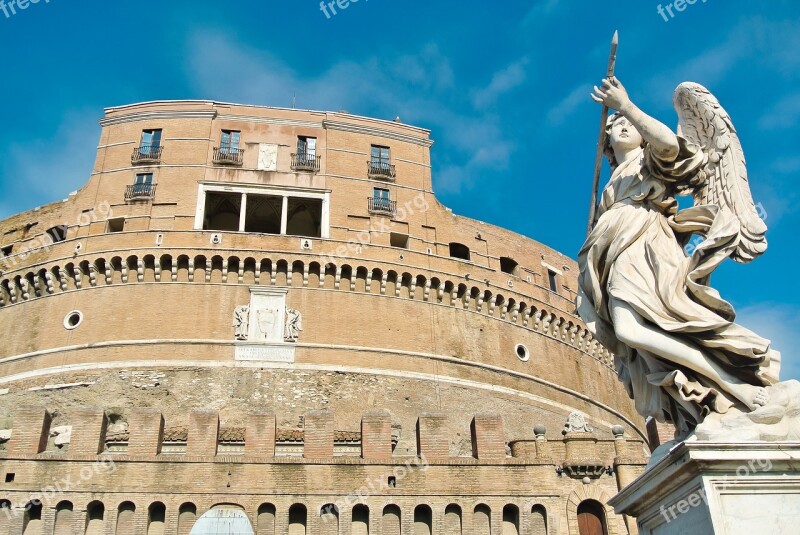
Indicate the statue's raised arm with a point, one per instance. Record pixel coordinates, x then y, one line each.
677 347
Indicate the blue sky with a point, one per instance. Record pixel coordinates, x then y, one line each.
503 87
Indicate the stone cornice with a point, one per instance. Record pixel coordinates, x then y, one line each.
378 132
155 115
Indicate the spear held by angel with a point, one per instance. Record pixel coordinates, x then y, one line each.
677 347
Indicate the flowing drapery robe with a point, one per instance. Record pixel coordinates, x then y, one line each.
634 254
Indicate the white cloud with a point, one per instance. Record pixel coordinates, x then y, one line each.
784 114
420 88
503 81
779 323
569 105
46 170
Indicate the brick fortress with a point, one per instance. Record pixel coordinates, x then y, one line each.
264 318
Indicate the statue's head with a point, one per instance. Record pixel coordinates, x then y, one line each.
620 134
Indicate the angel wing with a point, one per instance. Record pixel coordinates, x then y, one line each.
703 121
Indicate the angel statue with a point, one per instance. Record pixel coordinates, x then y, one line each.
677 348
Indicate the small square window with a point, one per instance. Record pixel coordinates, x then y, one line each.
6 251
392 481
115 225
10 477
58 233
398 240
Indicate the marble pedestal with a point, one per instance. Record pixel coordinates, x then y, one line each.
717 489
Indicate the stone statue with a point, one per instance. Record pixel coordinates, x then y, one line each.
241 322
677 348
294 325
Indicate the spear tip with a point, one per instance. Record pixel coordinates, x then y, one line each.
615 40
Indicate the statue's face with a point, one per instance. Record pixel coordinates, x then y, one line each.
624 135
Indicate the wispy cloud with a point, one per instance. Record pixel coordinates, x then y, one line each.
779 323
784 114
503 81
423 91
559 113
47 169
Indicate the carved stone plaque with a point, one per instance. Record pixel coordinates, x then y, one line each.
267 157
267 314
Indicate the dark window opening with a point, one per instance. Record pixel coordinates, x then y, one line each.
57 234
509 265
307 146
392 481
115 225
459 250
552 278
304 217
263 214
10 477
6 251
398 240
222 211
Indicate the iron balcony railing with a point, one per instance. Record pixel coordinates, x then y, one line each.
382 206
147 154
140 191
306 162
381 169
228 155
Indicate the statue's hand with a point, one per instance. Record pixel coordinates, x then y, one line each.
613 94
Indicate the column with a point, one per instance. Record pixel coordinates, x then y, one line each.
284 215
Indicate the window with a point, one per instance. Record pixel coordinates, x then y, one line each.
381 201
115 225
508 265
398 240
459 250
6 251
142 187
307 146
222 211
552 278
144 179
151 139
304 217
58 233
149 149
380 156
229 142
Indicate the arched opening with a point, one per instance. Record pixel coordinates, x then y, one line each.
591 518
538 520
423 520
95 518
6 515
304 217
452 520
125 518
156 515
459 250
187 516
265 523
390 523
509 265
482 520
32 521
360 524
263 214
222 211
510 520
63 520
297 519
329 519
224 518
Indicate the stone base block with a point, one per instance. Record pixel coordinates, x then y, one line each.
717 489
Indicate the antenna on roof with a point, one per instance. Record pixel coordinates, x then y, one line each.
294 100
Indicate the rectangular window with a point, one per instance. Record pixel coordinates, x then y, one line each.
304 217
144 179
222 211
379 156
6 251
229 142
151 139
398 240
58 233
263 214
552 278
307 146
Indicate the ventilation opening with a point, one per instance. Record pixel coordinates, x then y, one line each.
392 481
509 265
398 240
58 233
6 251
522 353
10 477
73 320
459 250
115 225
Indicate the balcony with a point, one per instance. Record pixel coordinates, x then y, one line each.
306 162
381 169
382 206
147 154
140 192
226 155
